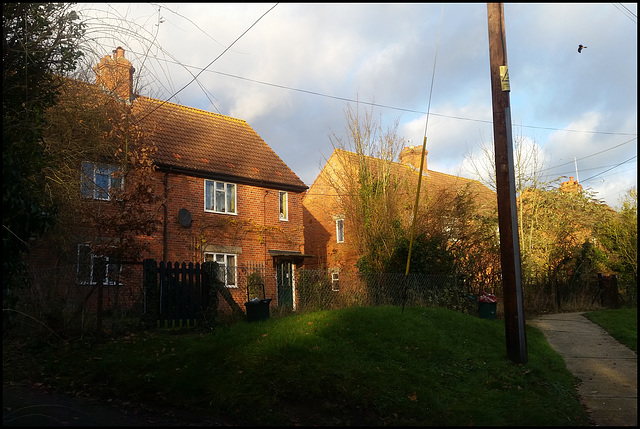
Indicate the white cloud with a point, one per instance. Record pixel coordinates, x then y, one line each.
313 56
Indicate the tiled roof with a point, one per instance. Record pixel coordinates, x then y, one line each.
432 181
211 145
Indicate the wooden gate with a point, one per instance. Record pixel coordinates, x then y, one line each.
178 294
182 294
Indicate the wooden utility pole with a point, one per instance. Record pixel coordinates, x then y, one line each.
505 184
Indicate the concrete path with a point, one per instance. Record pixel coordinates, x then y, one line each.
608 369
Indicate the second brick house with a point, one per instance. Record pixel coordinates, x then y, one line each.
328 234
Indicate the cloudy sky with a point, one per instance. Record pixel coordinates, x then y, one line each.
290 70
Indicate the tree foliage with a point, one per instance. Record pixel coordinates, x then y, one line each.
369 193
618 234
556 226
566 235
41 43
88 124
452 235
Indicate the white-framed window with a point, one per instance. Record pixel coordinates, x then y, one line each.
335 281
340 230
219 197
227 264
98 179
88 269
284 205
451 229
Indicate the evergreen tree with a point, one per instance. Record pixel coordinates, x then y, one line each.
41 44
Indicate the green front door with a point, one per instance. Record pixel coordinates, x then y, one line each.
284 276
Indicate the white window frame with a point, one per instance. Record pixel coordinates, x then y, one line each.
91 177
228 264
335 281
340 230
215 188
284 205
111 270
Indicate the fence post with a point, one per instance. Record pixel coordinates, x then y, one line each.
150 290
210 299
100 271
608 289
615 296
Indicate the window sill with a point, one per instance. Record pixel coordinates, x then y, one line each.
220 213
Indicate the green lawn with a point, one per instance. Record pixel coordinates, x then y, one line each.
622 324
354 366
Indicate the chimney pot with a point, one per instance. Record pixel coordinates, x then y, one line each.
116 74
411 156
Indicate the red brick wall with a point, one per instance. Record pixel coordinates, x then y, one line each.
320 206
255 229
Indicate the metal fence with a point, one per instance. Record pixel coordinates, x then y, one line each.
53 299
318 290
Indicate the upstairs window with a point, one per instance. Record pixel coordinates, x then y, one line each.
284 205
340 230
90 266
227 267
219 197
97 180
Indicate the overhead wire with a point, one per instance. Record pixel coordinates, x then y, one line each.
208 65
400 109
615 166
428 113
201 70
588 156
632 16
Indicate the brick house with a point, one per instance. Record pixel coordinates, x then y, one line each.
227 196
327 231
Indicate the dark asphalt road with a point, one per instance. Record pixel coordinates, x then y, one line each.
24 405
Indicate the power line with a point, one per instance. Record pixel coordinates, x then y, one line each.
626 12
588 156
213 61
615 166
400 109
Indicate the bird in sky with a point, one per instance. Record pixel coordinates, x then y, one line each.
580 48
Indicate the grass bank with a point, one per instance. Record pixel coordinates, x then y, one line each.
354 366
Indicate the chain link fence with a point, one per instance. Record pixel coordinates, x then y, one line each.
318 290
53 300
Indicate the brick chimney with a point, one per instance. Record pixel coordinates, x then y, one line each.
116 74
570 185
411 155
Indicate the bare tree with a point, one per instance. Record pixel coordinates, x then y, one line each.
368 192
528 164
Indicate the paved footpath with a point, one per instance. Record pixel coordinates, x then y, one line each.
608 369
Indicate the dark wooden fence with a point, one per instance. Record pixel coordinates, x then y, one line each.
179 294
608 290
